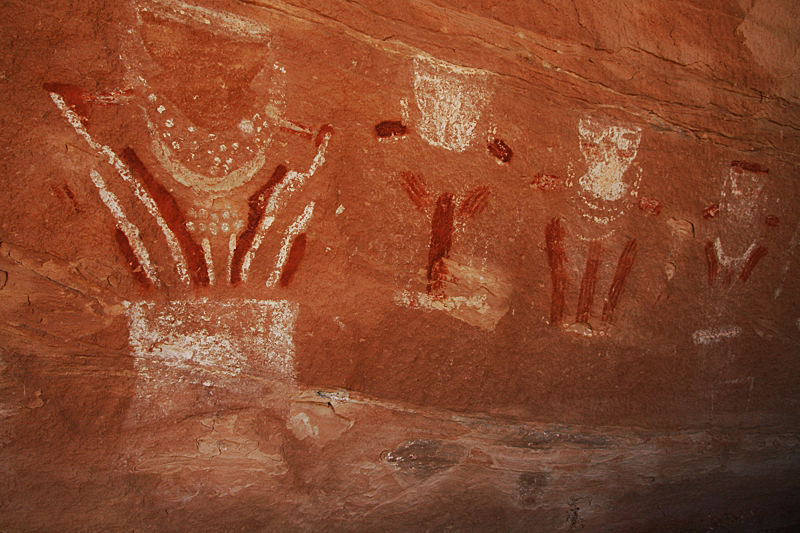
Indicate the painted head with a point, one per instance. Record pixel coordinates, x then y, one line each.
741 192
207 87
609 151
741 206
450 99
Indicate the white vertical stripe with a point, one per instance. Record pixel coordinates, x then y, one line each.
125 173
291 183
231 251
298 226
129 229
209 260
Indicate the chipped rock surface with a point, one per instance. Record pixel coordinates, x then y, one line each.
407 266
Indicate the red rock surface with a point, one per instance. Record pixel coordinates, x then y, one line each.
415 266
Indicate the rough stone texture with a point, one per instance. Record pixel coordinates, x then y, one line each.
416 266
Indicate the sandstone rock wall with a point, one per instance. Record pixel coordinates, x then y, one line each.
494 266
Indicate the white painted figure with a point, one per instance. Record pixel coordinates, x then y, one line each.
609 184
209 133
451 100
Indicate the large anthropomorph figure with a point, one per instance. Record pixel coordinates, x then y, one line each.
185 141
606 191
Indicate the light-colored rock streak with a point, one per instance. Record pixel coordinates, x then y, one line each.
451 100
220 22
129 229
293 181
125 173
299 225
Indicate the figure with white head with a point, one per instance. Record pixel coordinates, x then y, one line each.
606 191
450 102
609 183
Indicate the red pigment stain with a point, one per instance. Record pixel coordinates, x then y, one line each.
73 96
257 204
728 279
130 259
441 238
475 202
773 221
650 205
171 211
415 189
711 211
712 262
296 253
299 130
71 196
500 150
390 128
741 166
556 258
752 261
323 131
304 134
624 266
547 183
586 296
58 192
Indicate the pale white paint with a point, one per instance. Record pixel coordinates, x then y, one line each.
714 335
451 100
183 175
732 261
441 303
128 228
125 174
741 194
229 335
297 226
231 251
291 183
209 260
609 152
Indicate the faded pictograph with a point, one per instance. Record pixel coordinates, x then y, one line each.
450 100
478 298
738 247
606 191
737 228
206 180
449 107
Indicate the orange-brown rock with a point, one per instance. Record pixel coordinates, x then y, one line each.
412 266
